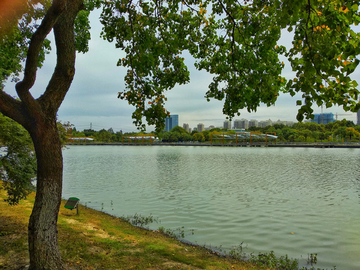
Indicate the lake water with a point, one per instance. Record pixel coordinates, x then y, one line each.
293 201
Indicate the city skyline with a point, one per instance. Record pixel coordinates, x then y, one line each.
202 127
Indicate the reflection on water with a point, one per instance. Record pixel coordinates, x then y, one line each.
293 201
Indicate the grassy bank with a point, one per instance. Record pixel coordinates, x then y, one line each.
94 240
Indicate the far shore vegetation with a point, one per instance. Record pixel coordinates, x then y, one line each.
335 132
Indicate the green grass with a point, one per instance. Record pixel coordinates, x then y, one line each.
95 240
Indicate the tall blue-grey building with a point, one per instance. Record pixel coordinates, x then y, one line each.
171 122
323 118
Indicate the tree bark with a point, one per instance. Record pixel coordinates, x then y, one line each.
43 243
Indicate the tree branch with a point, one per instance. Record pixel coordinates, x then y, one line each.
23 87
11 107
64 71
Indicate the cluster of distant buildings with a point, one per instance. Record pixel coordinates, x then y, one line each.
322 118
173 121
238 124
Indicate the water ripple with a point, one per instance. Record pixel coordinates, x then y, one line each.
291 200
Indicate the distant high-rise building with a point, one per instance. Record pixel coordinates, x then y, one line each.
171 122
241 124
186 127
237 124
253 123
265 123
323 118
200 127
227 124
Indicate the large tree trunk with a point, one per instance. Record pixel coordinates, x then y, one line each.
38 116
43 244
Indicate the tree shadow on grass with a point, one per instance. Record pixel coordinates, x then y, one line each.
13 243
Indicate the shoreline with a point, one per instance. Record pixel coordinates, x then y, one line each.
297 145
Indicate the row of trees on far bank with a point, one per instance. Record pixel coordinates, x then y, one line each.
299 132
312 132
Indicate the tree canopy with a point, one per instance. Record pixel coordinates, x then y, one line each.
17 160
237 42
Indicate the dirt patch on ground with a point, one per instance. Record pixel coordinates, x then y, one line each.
96 250
177 265
90 228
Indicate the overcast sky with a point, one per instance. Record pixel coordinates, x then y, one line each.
92 98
